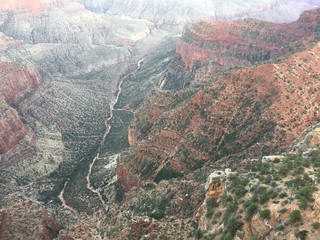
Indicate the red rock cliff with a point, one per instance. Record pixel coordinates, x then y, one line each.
229 44
244 114
16 81
12 129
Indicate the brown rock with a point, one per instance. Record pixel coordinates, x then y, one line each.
316 207
315 140
227 44
51 227
125 178
256 228
12 130
16 81
131 138
247 113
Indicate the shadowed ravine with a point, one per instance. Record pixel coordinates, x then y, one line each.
107 131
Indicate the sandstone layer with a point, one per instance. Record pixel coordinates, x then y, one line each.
246 113
228 44
17 81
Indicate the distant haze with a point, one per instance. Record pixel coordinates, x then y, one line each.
178 12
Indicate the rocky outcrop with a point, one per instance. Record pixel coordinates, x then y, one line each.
317 207
214 185
125 178
224 45
310 138
12 130
17 81
51 227
131 138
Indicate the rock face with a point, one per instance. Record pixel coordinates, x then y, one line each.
12 130
131 138
245 114
317 207
242 42
214 188
214 185
16 81
125 178
308 140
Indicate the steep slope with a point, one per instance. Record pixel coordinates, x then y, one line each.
276 199
224 45
12 130
246 113
16 82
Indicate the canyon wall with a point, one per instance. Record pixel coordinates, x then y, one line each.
243 114
228 44
16 82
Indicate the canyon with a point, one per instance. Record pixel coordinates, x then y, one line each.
225 45
251 109
111 121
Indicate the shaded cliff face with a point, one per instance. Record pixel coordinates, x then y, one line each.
16 82
224 45
246 113
12 130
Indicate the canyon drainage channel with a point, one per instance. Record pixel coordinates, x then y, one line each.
108 127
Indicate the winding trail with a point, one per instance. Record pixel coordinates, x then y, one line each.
108 128
64 203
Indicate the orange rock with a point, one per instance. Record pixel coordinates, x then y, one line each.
228 44
131 138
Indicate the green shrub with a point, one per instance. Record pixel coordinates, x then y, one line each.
298 171
251 210
212 202
218 214
265 214
263 168
301 234
283 195
233 225
303 203
315 225
238 185
295 216
198 234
